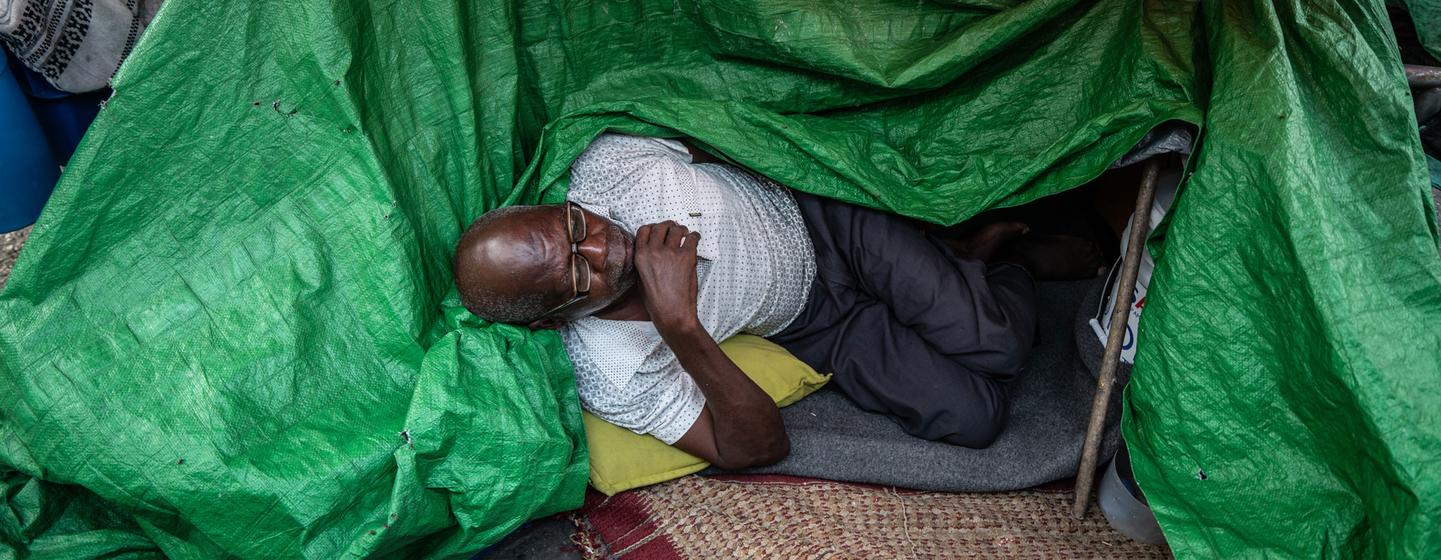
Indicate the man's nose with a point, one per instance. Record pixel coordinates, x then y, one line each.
594 249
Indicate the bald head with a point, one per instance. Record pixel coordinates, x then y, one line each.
514 264
498 263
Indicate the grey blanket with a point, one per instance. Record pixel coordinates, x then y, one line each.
832 439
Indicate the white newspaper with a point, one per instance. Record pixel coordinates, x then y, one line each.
1166 185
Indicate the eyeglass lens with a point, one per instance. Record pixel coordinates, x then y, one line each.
580 270
575 223
580 274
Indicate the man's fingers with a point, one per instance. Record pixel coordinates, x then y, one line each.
666 234
673 234
656 232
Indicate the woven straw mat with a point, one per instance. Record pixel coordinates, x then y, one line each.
704 518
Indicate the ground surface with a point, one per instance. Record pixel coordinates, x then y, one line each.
10 244
542 539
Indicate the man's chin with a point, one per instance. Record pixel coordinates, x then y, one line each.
628 268
626 265
619 289
626 282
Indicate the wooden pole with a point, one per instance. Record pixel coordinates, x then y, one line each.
1422 77
1130 268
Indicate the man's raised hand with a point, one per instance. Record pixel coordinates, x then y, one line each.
739 426
665 260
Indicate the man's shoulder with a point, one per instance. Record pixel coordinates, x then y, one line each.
616 163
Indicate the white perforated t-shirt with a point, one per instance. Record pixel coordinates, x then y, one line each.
755 270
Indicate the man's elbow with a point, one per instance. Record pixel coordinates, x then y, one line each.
774 453
769 454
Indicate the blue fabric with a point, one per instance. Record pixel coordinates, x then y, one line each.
28 166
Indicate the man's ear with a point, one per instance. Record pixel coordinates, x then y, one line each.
547 324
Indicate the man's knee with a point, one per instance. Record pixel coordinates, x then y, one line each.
1012 358
976 423
978 434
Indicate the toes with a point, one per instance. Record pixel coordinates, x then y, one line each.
1010 230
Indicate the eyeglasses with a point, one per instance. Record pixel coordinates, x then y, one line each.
579 268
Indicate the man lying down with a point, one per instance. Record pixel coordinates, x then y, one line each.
661 252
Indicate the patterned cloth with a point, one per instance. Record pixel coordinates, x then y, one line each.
756 268
76 44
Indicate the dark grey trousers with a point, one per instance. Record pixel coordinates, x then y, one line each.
908 328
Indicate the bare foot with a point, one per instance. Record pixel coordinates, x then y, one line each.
983 244
1054 257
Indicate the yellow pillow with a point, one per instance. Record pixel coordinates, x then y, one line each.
621 459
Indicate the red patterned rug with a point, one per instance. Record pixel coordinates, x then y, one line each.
788 517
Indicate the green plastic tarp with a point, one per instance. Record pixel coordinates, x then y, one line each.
233 331
1426 14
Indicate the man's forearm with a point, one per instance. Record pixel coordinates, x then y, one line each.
748 429
740 425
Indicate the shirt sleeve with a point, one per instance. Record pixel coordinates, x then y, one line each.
674 402
633 381
664 404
